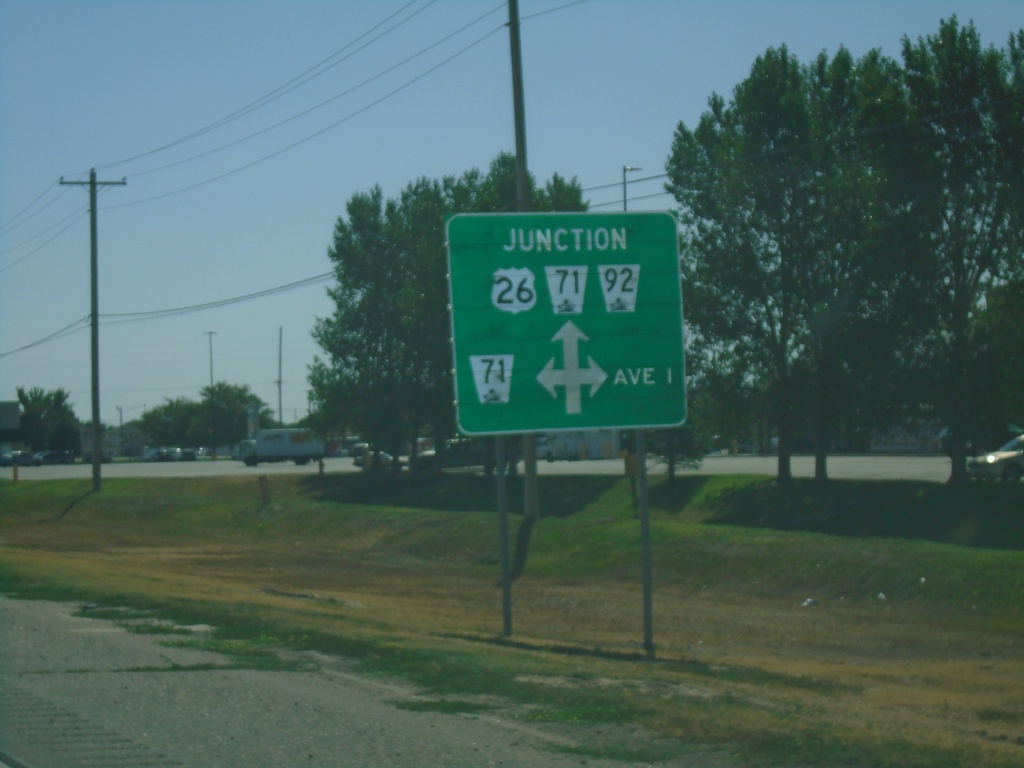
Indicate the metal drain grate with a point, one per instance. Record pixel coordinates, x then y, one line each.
35 733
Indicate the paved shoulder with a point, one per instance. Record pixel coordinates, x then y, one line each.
76 691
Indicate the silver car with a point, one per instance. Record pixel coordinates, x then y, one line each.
1006 463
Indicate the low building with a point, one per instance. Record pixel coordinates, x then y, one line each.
10 426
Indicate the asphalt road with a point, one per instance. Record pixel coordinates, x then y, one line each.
868 467
77 692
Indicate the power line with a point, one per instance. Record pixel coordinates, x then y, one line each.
74 327
157 314
556 9
618 184
319 69
294 83
324 103
10 224
321 131
77 215
632 198
312 72
287 87
315 71
117 318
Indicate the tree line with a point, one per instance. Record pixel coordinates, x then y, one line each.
386 371
220 417
851 251
852 239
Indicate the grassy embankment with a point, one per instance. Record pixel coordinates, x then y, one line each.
862 624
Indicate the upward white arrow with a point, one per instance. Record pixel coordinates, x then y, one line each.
571 376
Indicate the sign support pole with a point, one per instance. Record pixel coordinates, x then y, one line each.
506 580
645 542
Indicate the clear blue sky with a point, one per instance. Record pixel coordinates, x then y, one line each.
220 203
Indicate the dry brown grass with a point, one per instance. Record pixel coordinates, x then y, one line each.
867 673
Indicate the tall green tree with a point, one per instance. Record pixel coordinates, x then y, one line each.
387 366
223 415
361 381
748 213
171 422
48 419
843 224
962 171
417 221
848 286
997 339
219 418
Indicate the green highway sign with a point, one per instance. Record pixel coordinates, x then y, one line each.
566 321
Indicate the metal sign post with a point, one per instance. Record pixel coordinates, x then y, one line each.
506 579
645 543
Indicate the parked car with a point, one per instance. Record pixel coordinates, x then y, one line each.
544 449
384 460
53 457
1007 463
20 458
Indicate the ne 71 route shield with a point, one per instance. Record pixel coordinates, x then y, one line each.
566 321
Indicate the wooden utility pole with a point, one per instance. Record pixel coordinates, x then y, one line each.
531 498
522 178
97 436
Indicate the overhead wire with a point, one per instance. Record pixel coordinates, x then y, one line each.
117 318
77 325
298 81
552 10
324 103
76 216
134 317
157 314
288 87
301 79
71 219
13 223
317 133
292 84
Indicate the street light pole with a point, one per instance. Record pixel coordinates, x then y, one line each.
211 334
626 168
213 409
